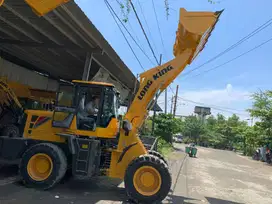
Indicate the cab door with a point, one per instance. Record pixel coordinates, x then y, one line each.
65 107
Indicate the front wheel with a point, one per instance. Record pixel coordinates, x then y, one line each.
157 154
147 179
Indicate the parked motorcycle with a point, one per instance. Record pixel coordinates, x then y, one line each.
257 155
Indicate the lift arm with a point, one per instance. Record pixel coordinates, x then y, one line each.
193 32
7 96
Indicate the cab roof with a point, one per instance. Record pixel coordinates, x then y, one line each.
93 83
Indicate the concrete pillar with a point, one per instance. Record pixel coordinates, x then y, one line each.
87 67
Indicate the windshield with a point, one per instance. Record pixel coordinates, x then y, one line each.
65 95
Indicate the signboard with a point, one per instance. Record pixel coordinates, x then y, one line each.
202 110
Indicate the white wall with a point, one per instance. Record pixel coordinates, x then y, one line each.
22 75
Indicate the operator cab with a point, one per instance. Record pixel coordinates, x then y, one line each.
86 106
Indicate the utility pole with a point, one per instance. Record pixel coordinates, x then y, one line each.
154 111
172 100
175 104
165 102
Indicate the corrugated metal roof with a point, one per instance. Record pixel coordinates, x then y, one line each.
57 43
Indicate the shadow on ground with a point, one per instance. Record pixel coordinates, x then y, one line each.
174 199
220 201
7 171
178 149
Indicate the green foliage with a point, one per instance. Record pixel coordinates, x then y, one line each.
218 131
192 127
262 109
166 126
165 148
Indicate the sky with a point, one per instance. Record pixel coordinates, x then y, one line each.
227 89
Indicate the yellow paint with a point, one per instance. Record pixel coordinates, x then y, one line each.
43 132
108 132
40 167
147 180
48 133
1 2
194 29
42 7
93 83
7 95
84 146
10 90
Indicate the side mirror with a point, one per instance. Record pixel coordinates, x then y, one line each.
127 127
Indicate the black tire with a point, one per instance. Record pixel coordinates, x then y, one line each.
59 162
157 154
149 161
11 130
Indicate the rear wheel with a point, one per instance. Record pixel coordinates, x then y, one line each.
157 154
43 166
147 179
11 131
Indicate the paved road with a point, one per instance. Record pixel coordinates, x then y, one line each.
223 177
215 177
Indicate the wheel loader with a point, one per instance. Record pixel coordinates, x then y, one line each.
14 99
97 144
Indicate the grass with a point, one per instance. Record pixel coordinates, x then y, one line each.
164 147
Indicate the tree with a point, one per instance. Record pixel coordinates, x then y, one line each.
193 128
262 109
166 126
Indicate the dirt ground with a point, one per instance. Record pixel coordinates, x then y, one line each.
215 177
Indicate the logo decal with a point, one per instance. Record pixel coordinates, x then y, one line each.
150 82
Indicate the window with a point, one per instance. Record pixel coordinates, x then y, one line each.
110 107
65 95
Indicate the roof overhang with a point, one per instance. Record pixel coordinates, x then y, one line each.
57 43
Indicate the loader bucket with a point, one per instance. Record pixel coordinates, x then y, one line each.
193 32
42 7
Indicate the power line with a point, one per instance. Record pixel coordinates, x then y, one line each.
254 32
235 58
139 21
158 27
148 29
111 11
224 109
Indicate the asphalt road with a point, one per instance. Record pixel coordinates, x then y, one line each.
215 177
223 177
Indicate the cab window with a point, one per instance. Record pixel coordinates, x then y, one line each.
110 107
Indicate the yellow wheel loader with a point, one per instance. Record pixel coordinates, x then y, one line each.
14 99
83 132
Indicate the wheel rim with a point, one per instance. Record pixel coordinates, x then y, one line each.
40 167
147 180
